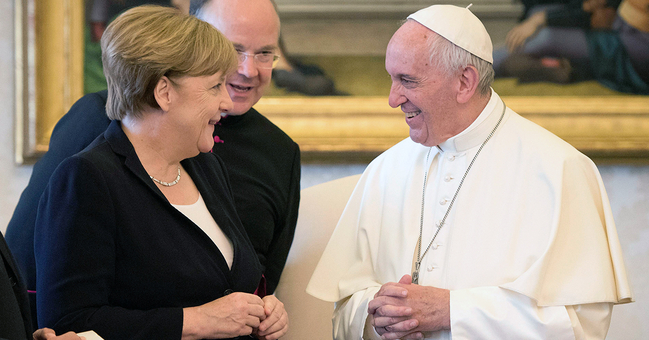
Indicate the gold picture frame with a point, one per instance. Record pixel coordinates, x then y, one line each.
49 79
612 128
48 70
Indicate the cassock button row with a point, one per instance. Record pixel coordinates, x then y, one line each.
443 201
448 178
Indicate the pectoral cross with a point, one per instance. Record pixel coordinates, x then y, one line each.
415 274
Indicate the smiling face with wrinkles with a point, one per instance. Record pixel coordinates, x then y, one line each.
196 107
426 94
253 27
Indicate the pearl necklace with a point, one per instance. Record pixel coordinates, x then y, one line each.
168 184
420 256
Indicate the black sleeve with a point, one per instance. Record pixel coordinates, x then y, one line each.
285 229
75 248
15 319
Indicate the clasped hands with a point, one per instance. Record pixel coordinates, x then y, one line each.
404 310
237 314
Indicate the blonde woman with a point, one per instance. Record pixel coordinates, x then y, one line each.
137 236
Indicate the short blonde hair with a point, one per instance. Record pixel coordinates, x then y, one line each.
148 42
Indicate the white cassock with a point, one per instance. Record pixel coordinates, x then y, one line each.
529 249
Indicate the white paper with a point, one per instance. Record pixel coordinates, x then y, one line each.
90 335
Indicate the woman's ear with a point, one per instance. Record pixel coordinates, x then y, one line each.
162 93
469 80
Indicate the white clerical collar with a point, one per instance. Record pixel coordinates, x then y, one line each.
478 131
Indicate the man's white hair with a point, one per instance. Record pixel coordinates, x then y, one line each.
451 59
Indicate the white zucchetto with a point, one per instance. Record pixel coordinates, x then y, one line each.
458 25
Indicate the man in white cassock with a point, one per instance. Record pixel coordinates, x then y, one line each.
481 225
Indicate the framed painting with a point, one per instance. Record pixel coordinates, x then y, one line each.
49 79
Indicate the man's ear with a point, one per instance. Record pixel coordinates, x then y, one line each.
469 80
162 93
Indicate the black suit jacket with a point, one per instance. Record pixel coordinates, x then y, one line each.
114 256
15 321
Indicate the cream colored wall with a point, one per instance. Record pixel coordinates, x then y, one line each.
627 186
628 192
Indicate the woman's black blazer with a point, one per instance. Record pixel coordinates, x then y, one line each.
114 256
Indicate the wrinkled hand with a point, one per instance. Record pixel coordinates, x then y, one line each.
403 310
276 323
233 315
517 36
389 331
389 318
48 334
